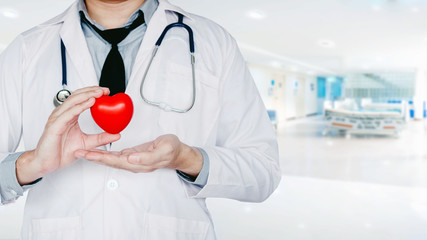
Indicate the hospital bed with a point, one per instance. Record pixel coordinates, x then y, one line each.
369 121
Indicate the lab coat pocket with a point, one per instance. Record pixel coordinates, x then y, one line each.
56 229
158 227
194 126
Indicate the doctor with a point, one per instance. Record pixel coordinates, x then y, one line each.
150 181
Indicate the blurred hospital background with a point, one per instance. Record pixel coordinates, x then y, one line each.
344 82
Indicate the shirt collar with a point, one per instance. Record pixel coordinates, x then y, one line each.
72 13
148 8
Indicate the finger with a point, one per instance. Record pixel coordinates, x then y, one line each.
81 152
83 90
111 159
79 97
128 151
145 158
96 140
86 89
97 155
59 124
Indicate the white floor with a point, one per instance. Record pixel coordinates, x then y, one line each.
333 188
338 188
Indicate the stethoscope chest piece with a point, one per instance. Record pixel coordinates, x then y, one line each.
64 93
61 96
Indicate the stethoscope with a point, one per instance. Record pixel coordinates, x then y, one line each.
64 93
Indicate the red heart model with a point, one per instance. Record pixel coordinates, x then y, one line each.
113 114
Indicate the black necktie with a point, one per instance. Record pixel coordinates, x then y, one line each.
113 72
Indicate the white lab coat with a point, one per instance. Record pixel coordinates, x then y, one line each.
91 201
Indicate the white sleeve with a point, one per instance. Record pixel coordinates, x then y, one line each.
11 72
244 164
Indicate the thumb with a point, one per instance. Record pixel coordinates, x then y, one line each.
95 140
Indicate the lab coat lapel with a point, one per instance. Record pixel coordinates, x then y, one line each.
78 53
155 27
80 61
166 6
158 23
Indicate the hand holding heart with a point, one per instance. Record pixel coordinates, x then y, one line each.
62 136
63 142
113 114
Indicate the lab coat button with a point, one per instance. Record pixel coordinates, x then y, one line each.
112 184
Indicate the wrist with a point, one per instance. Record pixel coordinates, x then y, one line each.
26 171
191 160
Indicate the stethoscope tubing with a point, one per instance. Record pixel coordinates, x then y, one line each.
164 105
64 93
180 23
64 64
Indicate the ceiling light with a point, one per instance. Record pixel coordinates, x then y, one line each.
311 73
255 14
276 64
366 67
248 209
415 9
294 68
379 59
9 13
326 43
376 8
